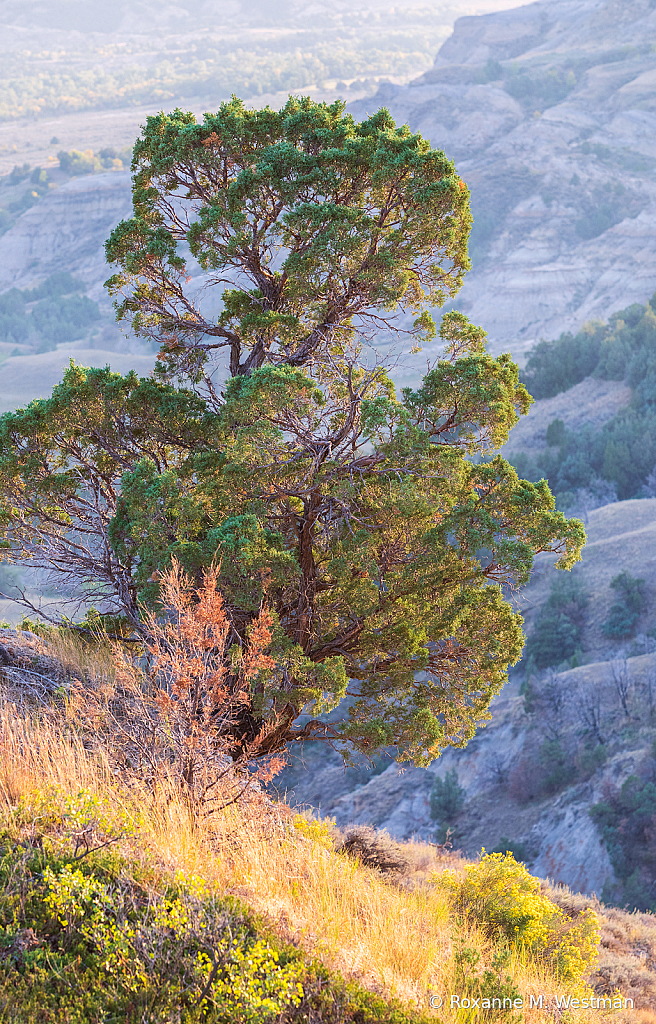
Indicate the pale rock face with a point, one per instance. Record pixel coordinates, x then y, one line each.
537 174
571 852
67 230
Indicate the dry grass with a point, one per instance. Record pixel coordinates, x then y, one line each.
391 931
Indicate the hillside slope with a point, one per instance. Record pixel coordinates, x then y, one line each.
551 820
549 112
117 900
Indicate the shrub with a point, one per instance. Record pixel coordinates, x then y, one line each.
559 624
82 941
501 895
168 723
626 819
624 614
484 988
589 759
520 851
447 797
374 848
556 433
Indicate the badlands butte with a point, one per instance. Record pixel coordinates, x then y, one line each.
549 111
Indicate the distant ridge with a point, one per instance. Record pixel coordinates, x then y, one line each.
550 113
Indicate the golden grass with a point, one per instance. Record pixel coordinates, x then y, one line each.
396 942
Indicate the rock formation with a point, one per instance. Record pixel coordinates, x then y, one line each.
549 111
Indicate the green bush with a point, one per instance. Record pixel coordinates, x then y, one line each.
537 88
625 819
483 989
447 797
520 851
501 895
625 613
556 433
559 624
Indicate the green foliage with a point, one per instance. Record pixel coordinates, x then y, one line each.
625 819
556 433
447 797
623 451
98 939
625 613
518 850
378 530
501 895
538 89
604 207
551 768
589 759
621 349
559 624
332 253
56 315
76 162
555 366
491 994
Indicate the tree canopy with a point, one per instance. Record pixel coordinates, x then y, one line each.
381 532
318 225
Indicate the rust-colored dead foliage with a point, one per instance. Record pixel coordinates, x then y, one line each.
174 716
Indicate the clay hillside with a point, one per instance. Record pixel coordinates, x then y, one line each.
549 112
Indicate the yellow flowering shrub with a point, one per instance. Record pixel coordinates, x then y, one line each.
501 895
316 831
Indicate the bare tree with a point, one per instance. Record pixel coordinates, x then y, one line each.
497 767
549 700
622 682
589 710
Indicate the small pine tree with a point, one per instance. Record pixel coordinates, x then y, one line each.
447 797
625 612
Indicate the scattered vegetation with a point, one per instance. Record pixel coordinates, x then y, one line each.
519 850
626 611
556 635
554 765
37 187
350 45
621 349
77 162
52 313
626 819
623 453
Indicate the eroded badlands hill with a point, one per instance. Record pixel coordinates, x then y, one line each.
549 111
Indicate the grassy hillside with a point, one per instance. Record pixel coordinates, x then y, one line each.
593 452
621 538
118 903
